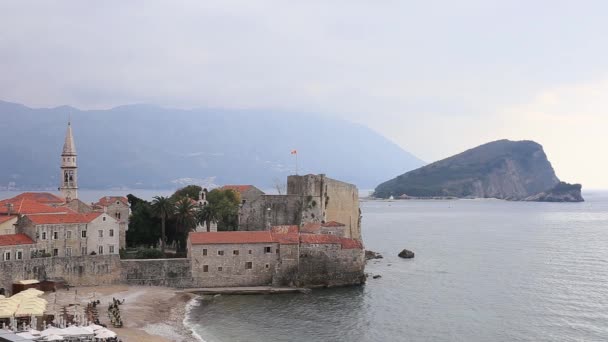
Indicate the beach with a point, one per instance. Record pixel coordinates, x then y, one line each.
154 314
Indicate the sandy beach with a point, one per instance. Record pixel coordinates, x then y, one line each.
152 314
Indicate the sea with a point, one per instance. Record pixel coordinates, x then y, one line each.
485 270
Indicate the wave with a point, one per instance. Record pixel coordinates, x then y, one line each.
192 303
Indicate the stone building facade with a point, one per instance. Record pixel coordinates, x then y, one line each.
309 199
117 207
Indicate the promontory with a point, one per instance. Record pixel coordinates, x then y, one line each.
503 169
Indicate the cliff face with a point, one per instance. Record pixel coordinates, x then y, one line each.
562 192
512 170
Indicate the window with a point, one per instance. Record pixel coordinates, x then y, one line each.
43 235
83 234
104 218
248 265
7 256
220 252
235 252
250 251
68 251
111 249
205 268
117 215
220 268
267 250
111 232
55 252
267 265
204 251
55 235
100 232
83 250
100 248
68 234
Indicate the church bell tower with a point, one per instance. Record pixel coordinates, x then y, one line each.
69 169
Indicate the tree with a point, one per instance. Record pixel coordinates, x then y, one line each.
186 219
190 191
224 208
144 228
279 186
163 207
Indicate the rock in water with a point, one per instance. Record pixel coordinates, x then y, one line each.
372 255
562 192
406 254
509 170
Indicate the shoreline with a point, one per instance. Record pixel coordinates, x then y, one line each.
154 314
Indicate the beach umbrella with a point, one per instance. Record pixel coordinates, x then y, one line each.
27 335
51 331
76 331
34 332
104 333
95 327
2 297
54 338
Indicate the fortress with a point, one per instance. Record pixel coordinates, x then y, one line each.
309 237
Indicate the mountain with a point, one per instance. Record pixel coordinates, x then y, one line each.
514 170
144 146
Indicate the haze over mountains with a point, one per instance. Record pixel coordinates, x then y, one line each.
143 146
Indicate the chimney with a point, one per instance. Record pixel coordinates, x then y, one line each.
9 207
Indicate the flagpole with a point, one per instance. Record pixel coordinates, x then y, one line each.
296 163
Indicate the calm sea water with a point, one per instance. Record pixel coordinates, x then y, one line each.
485 270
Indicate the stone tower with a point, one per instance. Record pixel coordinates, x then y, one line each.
69 169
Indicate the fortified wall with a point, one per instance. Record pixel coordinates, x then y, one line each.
309 199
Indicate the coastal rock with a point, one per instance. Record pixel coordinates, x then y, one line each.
562 192
369 255
508 170
406 254
377 276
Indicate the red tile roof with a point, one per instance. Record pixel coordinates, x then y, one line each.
108 200
15 239
319 239
237 188
286 235
4 218
311 228
204 238
333 224
41 197
28 206
63 218
351 243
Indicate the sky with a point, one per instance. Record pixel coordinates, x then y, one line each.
436 77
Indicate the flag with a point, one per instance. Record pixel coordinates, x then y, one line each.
294 152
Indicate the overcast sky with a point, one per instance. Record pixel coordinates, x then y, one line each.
436 77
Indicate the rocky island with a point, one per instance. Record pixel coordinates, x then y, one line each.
503 169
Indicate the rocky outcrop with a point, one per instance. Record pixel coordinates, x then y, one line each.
562 192
406 254
510 170
369 255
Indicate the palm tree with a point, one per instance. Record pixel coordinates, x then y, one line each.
185 216
162 207
206 215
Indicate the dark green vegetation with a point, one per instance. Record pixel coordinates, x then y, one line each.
174 217
148 147
502 169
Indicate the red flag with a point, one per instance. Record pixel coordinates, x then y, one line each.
294 152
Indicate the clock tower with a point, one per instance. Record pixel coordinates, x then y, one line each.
69 168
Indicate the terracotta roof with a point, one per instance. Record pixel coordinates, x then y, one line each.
351 243
4 218
63 218
28 206
286 235
41 197
204 238
108 200
333 224
237 188
15 239
311 228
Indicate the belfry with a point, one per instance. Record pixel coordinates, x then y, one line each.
69 168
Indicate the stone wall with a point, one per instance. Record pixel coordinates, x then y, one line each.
84 270
230 269
329 265
284 210
157 272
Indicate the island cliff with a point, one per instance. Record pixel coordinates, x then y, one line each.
510 170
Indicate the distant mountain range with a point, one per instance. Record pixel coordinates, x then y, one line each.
511 170
144 146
